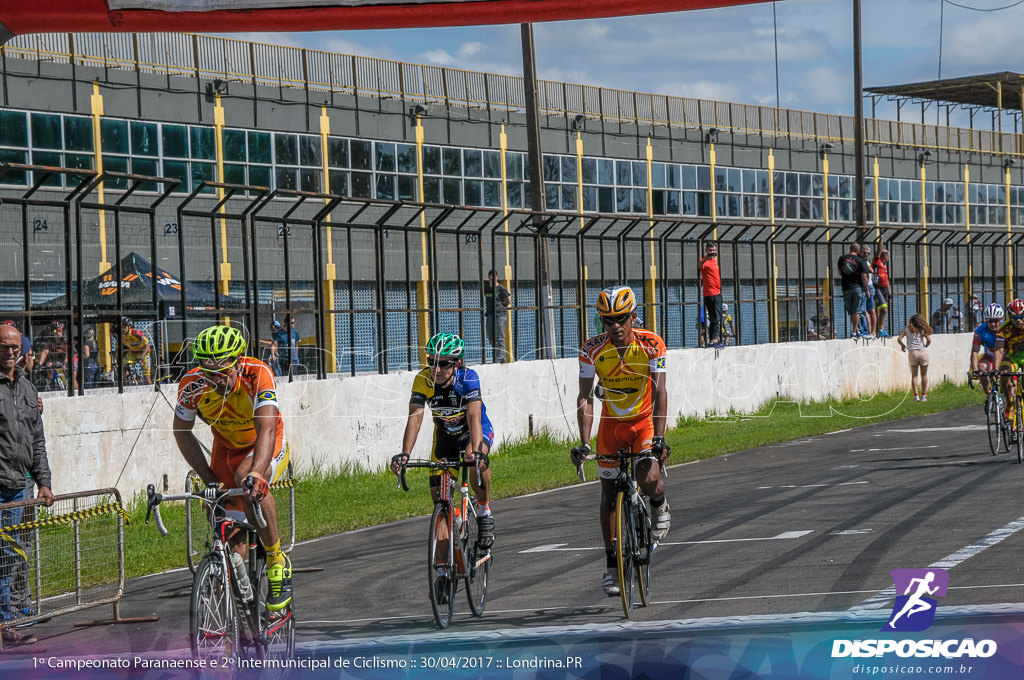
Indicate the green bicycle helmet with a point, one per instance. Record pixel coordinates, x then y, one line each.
217 343
446 344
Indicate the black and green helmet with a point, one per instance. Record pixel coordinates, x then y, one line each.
217 343
446 344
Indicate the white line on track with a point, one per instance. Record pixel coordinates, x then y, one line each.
560 547
952 428
810 486
895 448
884 597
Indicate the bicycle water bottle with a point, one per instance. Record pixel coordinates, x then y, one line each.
241 576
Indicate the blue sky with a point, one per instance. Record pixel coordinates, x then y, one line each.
726 54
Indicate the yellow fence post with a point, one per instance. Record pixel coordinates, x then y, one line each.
330 269
582 297
423 284
773 265
650 286
923 286
103 329
510 354
218 131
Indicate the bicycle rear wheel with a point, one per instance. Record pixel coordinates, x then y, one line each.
625 549
994 420
478 566
277 629
213 633
442 586
642 522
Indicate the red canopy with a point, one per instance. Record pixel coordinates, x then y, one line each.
98 16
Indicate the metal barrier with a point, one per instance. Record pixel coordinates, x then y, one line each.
82 538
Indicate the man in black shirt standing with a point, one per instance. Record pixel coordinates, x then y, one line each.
496 300
853 272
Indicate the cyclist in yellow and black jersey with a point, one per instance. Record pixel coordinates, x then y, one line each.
1009 350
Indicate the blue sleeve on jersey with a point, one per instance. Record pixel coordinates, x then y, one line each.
467 385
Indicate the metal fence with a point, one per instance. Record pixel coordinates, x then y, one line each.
63 558
206 58
366 281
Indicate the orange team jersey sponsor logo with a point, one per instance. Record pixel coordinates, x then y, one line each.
1013 339
626 378
232 417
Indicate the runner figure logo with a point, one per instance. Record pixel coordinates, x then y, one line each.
914 610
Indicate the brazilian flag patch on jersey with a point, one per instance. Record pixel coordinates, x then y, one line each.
660 363
266 395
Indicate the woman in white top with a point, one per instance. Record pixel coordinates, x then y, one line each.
918 335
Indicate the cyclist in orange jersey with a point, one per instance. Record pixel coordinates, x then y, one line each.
629 364
236 395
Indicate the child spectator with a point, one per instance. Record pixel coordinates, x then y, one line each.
918 335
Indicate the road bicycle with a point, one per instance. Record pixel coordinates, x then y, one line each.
634 541
1015 424
995 420
198 532
448 561
228 620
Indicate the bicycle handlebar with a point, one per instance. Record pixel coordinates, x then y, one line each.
211 494
437 465
620 456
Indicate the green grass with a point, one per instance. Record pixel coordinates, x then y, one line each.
329 502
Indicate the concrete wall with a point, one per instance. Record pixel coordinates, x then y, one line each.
125 440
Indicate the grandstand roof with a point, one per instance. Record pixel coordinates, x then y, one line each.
982 91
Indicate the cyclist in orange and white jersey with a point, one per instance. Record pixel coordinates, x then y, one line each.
629 364
237 397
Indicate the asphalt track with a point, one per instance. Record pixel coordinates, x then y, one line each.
802 531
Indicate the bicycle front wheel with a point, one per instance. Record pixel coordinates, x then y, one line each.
441 571
642 522
478 565
213 633
625 549
994 420
277 629
1019 425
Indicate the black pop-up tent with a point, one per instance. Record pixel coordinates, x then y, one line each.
138 279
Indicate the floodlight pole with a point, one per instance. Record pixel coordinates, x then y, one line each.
858 125
545 315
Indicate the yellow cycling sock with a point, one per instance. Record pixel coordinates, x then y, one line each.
274 554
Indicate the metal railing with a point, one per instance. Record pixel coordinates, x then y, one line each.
263 65
82 538
350 272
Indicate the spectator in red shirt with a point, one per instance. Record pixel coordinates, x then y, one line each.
711 283
881 267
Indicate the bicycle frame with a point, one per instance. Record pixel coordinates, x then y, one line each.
461 558
223 528
633 551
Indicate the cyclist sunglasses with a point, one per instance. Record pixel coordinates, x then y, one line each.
1017 317
616 320
218 371
440 363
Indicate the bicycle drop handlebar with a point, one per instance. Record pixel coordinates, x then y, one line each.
617 457
214 495
437 465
